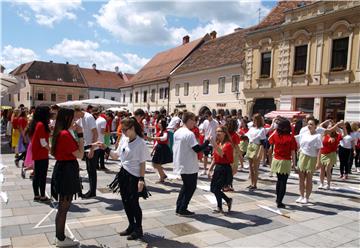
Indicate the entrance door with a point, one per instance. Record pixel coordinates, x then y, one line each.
264 106
334 108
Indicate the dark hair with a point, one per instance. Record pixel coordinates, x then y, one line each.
232 125
298 126
42 114
22 113
227 137
348 127
284 126
132 122
64 119
208 113
258 120
139 112
163 126
187 116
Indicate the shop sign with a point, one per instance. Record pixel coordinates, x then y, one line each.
221 105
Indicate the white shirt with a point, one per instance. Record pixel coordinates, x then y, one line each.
210 128
256 134
184 157
100 126
319 130
133 154
174 122
87 123
309 144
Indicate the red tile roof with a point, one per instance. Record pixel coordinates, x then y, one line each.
222 51
160 66
102 79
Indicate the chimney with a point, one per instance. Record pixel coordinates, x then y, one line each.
186 39
51 61
67 62
117 69
237 29
213 35
94 66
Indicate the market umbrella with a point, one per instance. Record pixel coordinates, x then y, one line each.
70 104
10 84
117 109
102 102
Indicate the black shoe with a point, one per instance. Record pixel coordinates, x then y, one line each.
186 213
281 205
16 163
89 195
127 232
103 168
229 204
136 234
23 173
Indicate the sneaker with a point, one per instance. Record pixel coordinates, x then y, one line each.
218 211
66 242
358 169
229 204
126 232
304 201
298 200
281 205
321 186
136 235
328 187
185 213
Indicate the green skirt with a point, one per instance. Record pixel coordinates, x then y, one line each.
328 159
281 166
107 139
243 145
235 164
252 151
307 163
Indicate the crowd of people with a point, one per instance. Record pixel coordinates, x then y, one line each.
220 143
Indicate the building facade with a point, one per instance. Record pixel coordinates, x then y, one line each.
308 59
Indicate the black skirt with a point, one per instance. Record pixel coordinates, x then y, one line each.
162 154
222 176
65 181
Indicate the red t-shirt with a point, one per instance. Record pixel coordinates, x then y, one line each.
22 122
38 151
196 132
65 146
235 138
242 132
328 146
15 123
162 142
283 145
228 156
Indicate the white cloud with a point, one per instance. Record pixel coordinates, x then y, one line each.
153 22
87 52
11 57
47 13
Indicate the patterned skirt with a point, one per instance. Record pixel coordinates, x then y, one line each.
281 166
328 159
307 163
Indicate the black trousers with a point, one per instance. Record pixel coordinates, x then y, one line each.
344 157
186 192
91 164
100 158
357 158
218 181
130 198
39 179
281 187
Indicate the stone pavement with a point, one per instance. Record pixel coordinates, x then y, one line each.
330 220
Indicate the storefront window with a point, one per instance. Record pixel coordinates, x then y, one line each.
334 108
305 105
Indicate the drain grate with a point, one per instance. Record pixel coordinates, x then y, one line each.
182 229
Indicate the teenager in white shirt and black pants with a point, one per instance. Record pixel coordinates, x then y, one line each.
133 153
185 160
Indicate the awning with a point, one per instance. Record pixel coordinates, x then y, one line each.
285 114
10 84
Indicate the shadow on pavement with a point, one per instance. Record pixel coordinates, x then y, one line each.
153 240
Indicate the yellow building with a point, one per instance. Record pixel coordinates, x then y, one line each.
306 56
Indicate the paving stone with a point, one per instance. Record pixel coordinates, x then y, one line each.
10 231
355 226
37 240
339 234
212 237
318 240
352 244
96 231
5 242
6 213
14 220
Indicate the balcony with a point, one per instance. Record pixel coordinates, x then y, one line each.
299 79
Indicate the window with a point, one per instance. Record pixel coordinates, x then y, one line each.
81 97
69 97
27 95
152 97
96 97
145 96
221 85
305 105
161 94
339 54
40 97
53 97
206 87
300 59
177 90
131 97
186 89
166 92
18 97
265 65
235 83
136 97
124 97
9 98
112 98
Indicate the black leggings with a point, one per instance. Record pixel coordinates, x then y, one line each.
39 179
63 208
281 187
357 158
218 181
130 198
344 157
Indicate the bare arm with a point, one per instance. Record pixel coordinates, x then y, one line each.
80 152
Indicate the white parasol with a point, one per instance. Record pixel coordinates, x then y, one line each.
10 84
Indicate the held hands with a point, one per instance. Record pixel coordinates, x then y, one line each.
209 174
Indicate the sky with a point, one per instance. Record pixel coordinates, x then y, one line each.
123 33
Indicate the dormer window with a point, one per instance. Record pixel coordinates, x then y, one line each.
59 79
74 80
36 76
